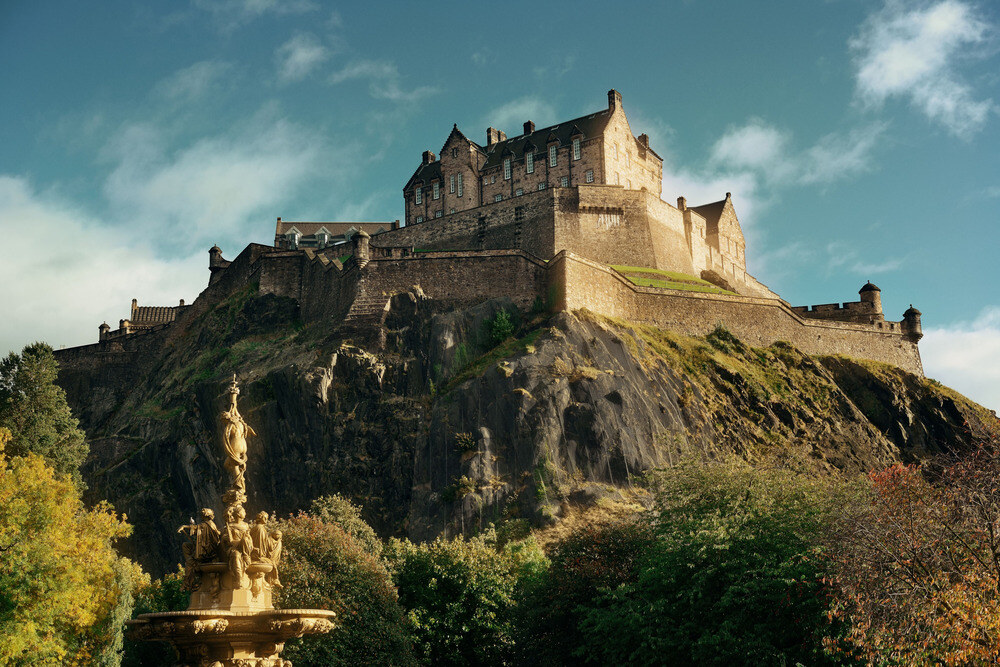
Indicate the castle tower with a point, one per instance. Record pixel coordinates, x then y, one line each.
215 263
911 324
360 242
871 294
103 331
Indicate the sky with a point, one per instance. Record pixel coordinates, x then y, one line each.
860 139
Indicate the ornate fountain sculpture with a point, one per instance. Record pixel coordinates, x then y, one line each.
231 572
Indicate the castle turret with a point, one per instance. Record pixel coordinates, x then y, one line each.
360 242
911 324
215 263
103 331
871 294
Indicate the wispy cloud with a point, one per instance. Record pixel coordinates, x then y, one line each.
299 56
232 14
966 356
843 257
511 116
384 80
89 273
191 194
191 83
768 152
913 51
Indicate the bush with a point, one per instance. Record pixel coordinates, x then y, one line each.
460 597
325 568
500 328
166 594
340 511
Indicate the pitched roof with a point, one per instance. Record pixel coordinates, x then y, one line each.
711 212
425 173
589 126
335 228
153 314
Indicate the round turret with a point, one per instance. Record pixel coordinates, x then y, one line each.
871 294
911 324
360 243
103 331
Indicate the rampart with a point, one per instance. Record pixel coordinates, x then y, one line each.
581 283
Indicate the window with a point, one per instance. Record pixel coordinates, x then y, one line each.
518 192
486 180
590 175
493 178
576 149
564 182
628 160
454 152
541 186
438 213
459 185
618 179
497 197
450 211
437 190
451 184
628 184
529 162
418 196
506 168
420 218
615 149
552 155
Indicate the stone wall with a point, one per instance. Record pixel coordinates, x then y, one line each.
580 283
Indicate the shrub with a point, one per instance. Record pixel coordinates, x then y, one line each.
501 327
338 510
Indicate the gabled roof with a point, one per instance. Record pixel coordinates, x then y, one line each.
425 173
456 131
589 126
713 214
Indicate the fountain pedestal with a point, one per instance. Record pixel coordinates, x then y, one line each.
231 620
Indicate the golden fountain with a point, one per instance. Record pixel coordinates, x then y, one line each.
231 621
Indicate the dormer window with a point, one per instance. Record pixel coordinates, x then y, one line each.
506 168
418 196
437 190
552 155
293 239
529 162
576 148
322 239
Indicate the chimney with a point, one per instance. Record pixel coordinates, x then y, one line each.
614 99
492 136
682 203
529 127
182 302
644 140
428 157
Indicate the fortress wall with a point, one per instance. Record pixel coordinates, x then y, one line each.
460 277
756 321
462 230
605 223
670 239
326 291
280 273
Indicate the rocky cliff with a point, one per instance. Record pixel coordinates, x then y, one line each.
434 428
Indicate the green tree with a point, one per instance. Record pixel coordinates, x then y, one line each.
323 567
460 596
64 592
166 594
340 511
737 575
34 408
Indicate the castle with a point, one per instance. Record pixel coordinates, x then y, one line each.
569 216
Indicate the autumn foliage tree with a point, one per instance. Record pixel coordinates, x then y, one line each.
919 565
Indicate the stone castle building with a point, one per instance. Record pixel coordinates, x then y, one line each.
570 216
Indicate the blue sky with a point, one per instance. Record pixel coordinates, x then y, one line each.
860 140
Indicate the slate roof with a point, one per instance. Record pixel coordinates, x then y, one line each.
154 314
589 126
335 228
711 212
425 173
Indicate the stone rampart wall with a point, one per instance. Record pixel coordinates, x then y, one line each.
581 283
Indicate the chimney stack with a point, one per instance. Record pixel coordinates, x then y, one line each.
614 99
529 127
682 203
428 157
644 140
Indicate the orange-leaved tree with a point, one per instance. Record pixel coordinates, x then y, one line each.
919 564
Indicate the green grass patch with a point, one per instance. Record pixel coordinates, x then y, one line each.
478 366
344 258
646 277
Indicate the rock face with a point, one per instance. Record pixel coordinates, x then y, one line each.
435 429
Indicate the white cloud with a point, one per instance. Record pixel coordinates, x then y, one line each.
192 83
966 356
299 56
511 116
234 13
767 152
210 188
384 80
77 271
843 256
912 50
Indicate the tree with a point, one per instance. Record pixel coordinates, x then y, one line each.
166 594
460 597
323 567
34 408
340 511
919 564
63 590
732 572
